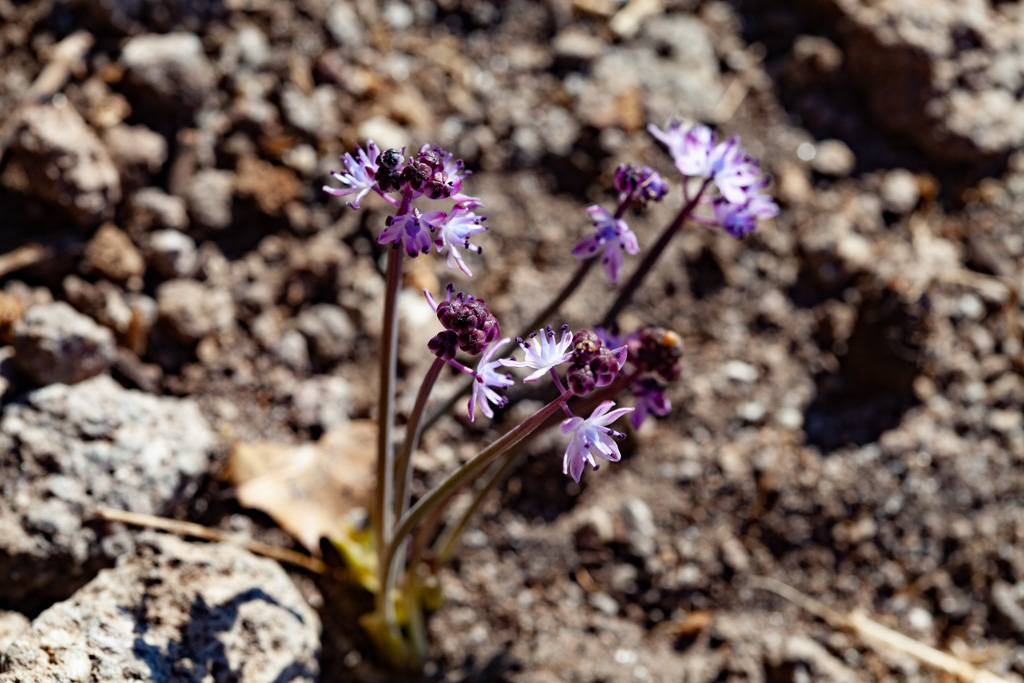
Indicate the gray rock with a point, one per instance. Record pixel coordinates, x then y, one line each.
899 191
193 310
55 343
11 626
70 447
322 402
329 331
173 254
210 195
291 348
138 152
834 158
168 71
946 74
59 158
152 207
175 611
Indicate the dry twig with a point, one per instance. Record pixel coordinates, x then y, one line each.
876 635
207 534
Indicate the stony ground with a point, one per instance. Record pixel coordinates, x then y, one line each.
173 281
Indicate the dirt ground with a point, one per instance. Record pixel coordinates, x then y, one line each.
849 418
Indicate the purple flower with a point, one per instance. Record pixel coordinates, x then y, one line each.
739 220
358 175
542 352
592 437
696 155
487 377
650 400
639 184
456 230
734 172
690 149
411 230
614 235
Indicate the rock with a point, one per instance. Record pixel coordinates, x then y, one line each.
899 191
946 74
151 207
193 310
329 331
175 610
322 402
173 254
55 155
55 343
168 72
11 310
9 377
11 626
292 350
210 196
834 158
70 447
138 152
111 253
675 68
575 49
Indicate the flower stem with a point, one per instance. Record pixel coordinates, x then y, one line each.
413 430
449 538
642 270
443 491
383 504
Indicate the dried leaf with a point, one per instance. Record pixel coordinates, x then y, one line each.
310 488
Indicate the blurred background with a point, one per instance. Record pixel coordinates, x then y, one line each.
849 418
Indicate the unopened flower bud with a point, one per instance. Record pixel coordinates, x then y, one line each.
604 367
585 345
444 345
580 379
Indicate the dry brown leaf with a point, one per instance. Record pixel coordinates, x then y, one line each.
308 489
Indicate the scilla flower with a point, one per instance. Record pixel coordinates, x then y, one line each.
460 225
485 377
592 438
614 235
358 176
542 352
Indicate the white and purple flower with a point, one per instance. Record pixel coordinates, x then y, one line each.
358 176
542 352
460 225
590 438
614 235
412 230
486 377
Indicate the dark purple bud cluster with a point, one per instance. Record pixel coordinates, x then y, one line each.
656 350
468 326
427 173
593 364
639 184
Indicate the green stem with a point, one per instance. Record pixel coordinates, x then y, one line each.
413 430
443 491
650 258
447 542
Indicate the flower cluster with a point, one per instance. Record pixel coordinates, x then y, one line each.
655 356
636 186
432 173
593 364
739 203
468 325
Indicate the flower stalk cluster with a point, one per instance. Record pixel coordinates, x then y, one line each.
584 363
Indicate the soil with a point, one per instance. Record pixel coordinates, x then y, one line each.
849 417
